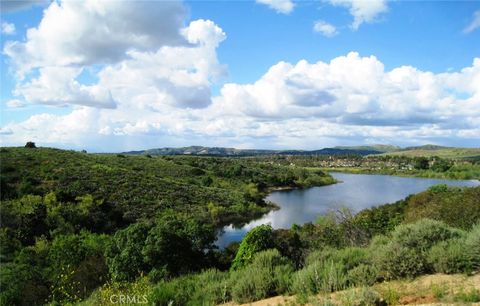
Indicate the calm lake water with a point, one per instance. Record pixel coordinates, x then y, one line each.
355 191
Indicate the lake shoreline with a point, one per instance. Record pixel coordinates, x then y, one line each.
357 191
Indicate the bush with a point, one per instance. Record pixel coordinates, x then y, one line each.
363 275
267 275
318 277
423 234
450 257
406 254
175 292
472 247
348 257
212 288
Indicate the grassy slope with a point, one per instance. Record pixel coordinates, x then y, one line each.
454 153
140 186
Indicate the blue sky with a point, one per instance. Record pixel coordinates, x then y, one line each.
240 73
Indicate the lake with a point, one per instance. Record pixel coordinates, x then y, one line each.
355 191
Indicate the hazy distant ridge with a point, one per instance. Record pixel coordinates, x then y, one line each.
221 151
425 150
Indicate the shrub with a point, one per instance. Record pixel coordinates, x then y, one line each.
318 277
363 275
406 254
360 297
267 275
472 247
450 257
349 257
471 296
423 234
212 288
175 292
397 261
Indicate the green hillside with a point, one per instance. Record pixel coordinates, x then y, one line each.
72 221
443 152
376 147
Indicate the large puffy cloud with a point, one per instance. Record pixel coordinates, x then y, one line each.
362 11
57 86
142 53
88 32
350 99
357 90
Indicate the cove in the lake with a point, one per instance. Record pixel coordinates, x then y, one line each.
354 191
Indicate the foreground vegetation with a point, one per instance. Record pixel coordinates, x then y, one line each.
72 221
337 253
83 228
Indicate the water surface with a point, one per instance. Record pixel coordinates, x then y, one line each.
355 191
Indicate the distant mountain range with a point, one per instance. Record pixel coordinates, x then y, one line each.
340 150
220 151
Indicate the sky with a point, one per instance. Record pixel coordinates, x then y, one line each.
109 76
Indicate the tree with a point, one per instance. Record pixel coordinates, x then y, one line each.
421 163
177 244
256 240
124 253
30 145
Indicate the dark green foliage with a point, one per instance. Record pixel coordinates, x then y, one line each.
258 239
30 145
421 163
458 207
173 245
381 219
177 244
124 253
288 243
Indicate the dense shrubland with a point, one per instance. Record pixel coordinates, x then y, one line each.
72 221
79 227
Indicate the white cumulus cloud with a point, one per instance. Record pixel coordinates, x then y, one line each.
363 11
89 32
281 6
325 28
142 53
301 105
8 28
15 103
